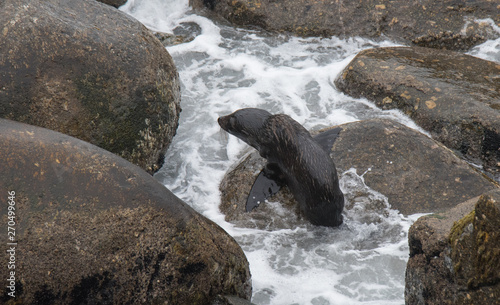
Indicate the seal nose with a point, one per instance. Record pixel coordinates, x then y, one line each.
223 120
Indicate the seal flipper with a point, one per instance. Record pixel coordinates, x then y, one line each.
326 138
267 183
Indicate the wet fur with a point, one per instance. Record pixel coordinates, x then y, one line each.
307 169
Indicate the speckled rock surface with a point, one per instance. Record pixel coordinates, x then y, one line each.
416 174
455 97
441 24
455 256
88 70
92 228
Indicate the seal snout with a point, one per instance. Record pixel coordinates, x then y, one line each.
223 122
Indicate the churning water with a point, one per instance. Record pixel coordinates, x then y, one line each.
226 68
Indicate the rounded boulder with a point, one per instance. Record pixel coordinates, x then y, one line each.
92 228
90 71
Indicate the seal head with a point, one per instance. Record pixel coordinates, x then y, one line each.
247 124
294 157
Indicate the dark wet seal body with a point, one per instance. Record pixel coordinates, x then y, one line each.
295 158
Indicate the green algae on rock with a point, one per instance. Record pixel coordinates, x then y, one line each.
455 259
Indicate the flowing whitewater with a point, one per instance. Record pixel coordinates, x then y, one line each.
226 68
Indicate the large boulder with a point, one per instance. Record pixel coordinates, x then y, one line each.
415 173
455 97
92 228
85 69
441 24
455 256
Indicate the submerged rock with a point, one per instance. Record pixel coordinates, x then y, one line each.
415 173
455 97
441 24
92 228
90 71
184 33
455 256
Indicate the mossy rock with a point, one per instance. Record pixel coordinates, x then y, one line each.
475 244
455 258
460 225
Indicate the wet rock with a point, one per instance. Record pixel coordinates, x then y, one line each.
455 97
455 256
185 32
168 39
187 29
230 300
93 228
415 173
235 188
90 71
440 24
115 3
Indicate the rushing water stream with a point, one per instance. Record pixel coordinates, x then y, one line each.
226 68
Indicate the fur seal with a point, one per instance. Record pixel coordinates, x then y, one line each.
294 158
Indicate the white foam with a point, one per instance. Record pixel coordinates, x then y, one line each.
158 15
490 49
224 69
